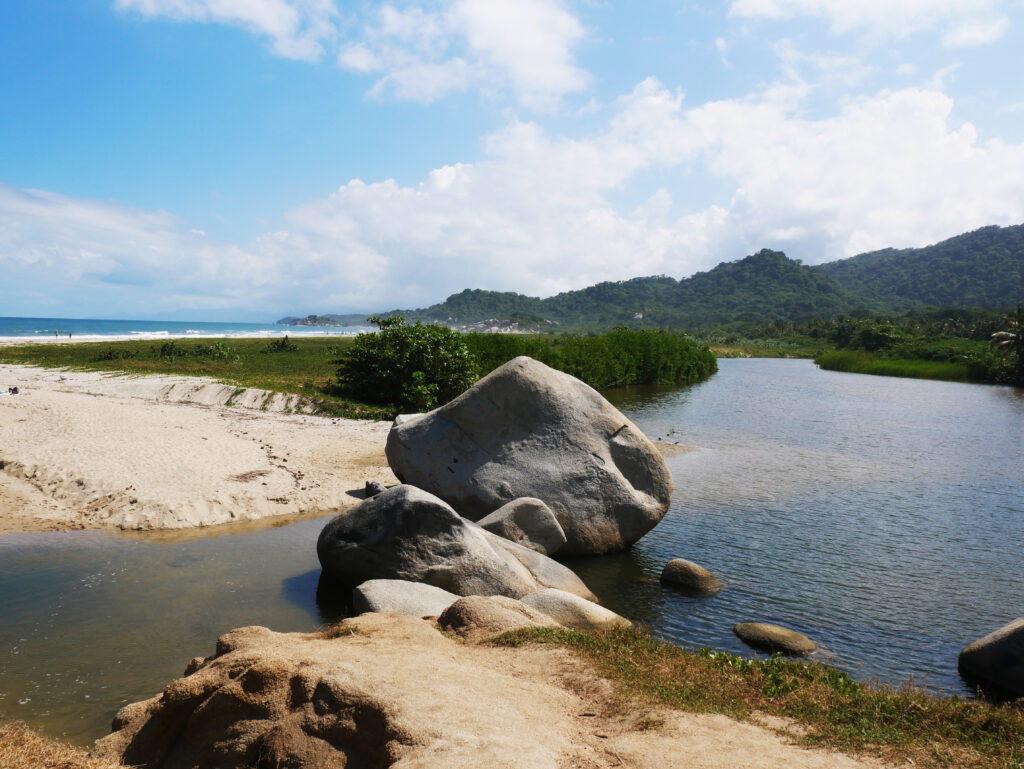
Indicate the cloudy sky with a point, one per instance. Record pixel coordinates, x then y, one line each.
246 159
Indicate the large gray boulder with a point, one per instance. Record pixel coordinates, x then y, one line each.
407 533
528 522
399 596
526 430
996 662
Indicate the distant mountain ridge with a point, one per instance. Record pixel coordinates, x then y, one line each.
983 268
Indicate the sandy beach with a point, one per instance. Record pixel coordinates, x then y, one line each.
90 450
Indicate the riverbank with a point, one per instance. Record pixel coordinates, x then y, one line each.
88 450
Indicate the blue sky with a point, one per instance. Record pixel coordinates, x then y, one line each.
246 159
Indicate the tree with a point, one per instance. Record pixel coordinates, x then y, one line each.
415 367
1011 339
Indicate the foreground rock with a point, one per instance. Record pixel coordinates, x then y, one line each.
572 611
383 690
996 662
362 699
526 430
399 596
477 618
774 638
528 522
691 576
405 533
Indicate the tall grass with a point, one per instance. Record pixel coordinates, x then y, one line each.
616 359
858 362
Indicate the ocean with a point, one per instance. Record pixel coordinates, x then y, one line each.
90 329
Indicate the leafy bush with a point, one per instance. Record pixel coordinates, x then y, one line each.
112 354
280 345
413 367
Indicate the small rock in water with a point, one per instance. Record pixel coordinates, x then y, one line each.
996 662
690 575
774 638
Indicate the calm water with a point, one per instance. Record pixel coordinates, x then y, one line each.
882 517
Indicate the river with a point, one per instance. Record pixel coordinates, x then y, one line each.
882 517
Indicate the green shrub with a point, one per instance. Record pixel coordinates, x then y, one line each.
280 345
413 367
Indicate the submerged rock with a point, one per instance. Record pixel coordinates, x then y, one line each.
691 576
526 521
526 430
774 638
399 596
996 662
406 533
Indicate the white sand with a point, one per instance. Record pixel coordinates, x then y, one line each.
90 450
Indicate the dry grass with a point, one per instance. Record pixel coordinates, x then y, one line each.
22 748
899 725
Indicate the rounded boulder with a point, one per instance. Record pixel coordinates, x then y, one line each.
774 638
527 430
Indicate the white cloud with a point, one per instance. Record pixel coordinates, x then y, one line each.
298 29
976 33
940 80
889 18
538 214
521 46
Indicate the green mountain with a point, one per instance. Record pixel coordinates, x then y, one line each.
984 268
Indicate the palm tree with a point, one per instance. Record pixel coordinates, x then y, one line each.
1012 338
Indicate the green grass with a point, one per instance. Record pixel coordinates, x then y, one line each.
896 724
308 370
858 362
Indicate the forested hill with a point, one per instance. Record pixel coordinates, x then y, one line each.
984 268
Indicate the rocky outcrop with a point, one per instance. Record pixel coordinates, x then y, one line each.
528 522
690 576
526 430
399 596
405 533
774 638
574 612
369 693
476 617
996 662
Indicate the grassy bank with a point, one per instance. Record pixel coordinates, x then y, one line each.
616 359
309 366
903 725
858 362
305 366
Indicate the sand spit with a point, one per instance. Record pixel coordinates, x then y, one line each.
88 450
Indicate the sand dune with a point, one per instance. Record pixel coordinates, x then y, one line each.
90 450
